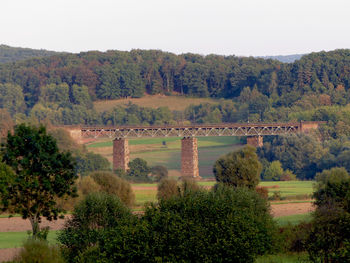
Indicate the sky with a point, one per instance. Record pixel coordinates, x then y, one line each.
226 27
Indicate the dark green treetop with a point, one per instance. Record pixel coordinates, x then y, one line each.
41 174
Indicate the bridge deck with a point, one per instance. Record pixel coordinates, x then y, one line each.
225 129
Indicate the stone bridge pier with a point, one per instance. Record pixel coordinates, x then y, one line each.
256 141
189 156
121 154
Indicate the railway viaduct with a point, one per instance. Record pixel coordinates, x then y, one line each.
189 153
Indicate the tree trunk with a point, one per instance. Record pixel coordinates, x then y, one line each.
34 221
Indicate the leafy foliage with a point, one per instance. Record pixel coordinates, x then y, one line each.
38 251
90 219
239 169
42 173
138 170
199 226
114 185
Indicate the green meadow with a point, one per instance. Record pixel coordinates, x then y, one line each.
167 151
16 239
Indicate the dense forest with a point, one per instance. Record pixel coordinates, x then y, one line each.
12 54
62 88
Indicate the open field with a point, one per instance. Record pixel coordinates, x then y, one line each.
16 239
178 103
290 189
167 151
293 219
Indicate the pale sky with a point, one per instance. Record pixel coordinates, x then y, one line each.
228 27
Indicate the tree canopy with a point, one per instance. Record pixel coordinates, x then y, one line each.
41 174
239 169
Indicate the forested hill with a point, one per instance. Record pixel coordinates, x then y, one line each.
12 54
62 87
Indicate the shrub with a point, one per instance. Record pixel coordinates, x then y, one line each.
87 185
114 185
159 172
138 170
329 239
90 219
294 237
225 225
212 226
273 171
262 191
167 188
239 168
38 251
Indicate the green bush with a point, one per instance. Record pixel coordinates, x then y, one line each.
239 169
294 237
115 185
138 171
38 251
169 187
333 186
225 225
329 239
90 219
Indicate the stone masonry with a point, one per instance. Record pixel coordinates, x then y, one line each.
120 154
256 141
189 157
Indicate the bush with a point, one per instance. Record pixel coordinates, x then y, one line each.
138 170
114 185
87 185
167 188
159 172
329 239
38 251
225 225
90 219
294 237
239 169
262 191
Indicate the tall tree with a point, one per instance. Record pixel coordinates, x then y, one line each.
239 169
42 174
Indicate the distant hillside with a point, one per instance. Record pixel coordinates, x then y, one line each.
12 54
285 59
64 88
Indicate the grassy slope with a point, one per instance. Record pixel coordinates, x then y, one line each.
155 153
178 103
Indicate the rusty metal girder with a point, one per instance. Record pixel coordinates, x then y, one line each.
227 129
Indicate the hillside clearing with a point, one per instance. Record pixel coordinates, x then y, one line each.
178 103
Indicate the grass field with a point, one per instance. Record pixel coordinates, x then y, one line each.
297 189
148 192
178 103
293 219
16 239
155 152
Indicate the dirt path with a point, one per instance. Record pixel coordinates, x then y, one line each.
7 254
278 210
17 224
